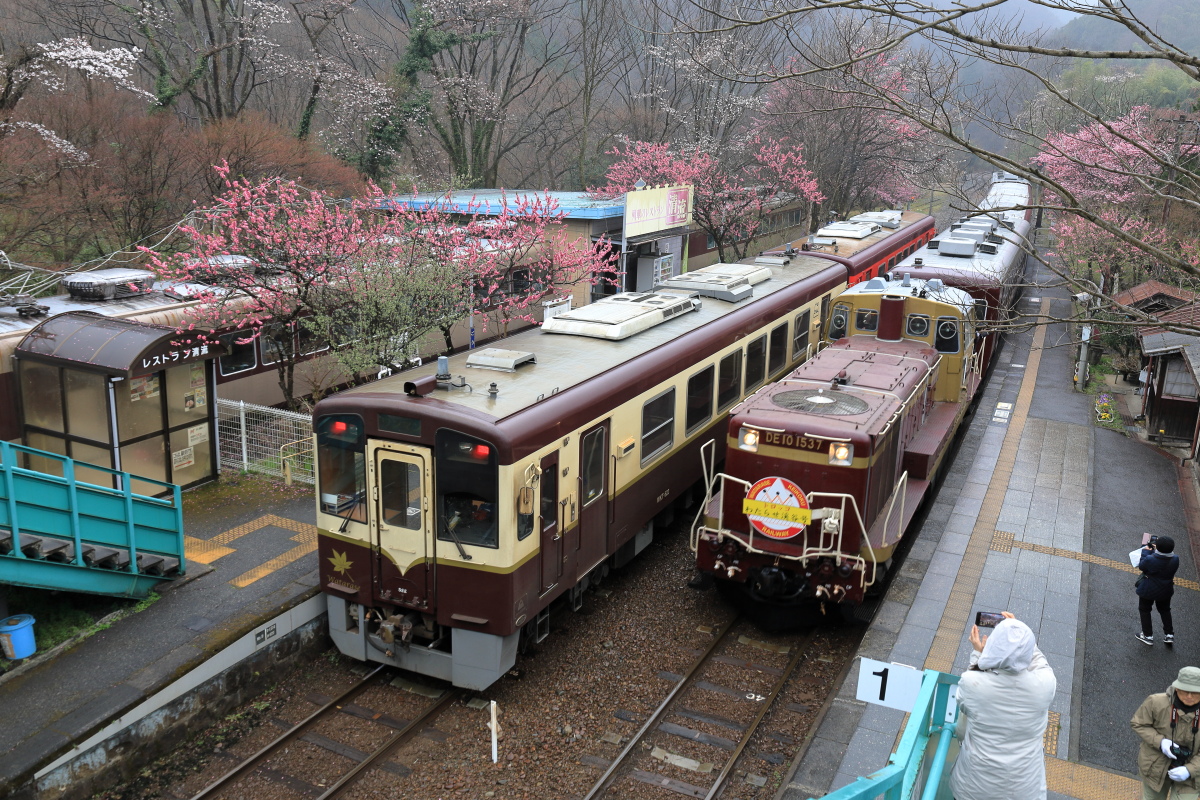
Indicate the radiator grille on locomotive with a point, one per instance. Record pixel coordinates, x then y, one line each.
807 400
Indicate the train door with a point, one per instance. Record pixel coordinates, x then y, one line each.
403 541
552 539
593 498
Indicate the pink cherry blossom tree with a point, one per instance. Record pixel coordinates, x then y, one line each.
730 204
301 270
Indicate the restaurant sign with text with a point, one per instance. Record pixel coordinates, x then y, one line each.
652 210
168 354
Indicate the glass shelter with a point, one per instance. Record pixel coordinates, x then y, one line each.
119 394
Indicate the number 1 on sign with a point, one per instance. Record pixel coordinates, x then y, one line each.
883 673
898 685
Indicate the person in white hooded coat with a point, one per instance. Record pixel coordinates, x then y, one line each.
1003 698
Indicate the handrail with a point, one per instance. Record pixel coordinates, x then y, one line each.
911 770
285 460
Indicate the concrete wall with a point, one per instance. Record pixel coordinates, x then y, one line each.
120 757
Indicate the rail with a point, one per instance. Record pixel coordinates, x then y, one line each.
913 770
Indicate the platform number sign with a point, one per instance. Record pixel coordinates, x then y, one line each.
887 684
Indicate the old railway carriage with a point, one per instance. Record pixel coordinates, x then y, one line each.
825 468
454 508
869 244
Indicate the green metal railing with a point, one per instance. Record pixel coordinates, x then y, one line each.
914 770
35 503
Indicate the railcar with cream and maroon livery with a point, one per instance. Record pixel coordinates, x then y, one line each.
825 470
457 501
869 244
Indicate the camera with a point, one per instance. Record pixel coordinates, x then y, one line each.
1180 755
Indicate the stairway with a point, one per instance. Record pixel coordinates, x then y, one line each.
60 533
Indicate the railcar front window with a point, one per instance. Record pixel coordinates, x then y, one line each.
400 494
341 466
467 480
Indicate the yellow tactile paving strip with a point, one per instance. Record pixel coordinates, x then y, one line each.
1003 542
1050 737
206 551
1064 777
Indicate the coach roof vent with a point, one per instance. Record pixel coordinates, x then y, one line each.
958 247
888 219
848 229
502 360
108 284
728 282
623 315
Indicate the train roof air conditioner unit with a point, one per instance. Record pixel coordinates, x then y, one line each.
623 315
958 247
107 284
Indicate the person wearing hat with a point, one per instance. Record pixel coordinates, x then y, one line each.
1156 586
1004 698
1167 724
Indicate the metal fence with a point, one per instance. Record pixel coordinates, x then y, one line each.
262 439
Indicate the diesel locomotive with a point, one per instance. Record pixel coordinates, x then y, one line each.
825 469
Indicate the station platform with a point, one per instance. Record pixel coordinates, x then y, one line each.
1036 516
249 546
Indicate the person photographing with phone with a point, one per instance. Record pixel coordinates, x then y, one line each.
1156 587
1167 725
1004 697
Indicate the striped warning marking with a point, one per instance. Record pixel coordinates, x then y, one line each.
206 551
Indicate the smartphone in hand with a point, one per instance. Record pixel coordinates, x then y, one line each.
988 619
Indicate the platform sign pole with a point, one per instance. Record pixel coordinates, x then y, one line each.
495 728
242 421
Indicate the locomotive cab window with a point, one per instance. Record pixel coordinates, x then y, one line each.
729 380
800 331
778 350
699 399
946 339
658 425
341 466
467 490
866 319
918 326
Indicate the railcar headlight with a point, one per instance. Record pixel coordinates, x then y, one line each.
841 454
748 440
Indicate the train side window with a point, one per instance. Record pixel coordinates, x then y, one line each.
945 339
729 380
840 324
277 343
866 319
699 399
981 309
549 508
778 349
592 469
238 357
800 332
658 425
311 341
918 326
756 363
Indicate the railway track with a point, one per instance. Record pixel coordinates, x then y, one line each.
742 676
270 764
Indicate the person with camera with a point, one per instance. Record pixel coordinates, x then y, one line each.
1156 587
1167 724
1004 698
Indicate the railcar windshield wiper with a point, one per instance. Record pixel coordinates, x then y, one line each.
457 518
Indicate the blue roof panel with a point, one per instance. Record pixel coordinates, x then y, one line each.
574 205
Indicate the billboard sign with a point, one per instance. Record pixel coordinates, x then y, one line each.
653 210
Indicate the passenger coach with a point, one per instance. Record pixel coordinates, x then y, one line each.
457 501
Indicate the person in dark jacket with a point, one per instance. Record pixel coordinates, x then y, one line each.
1156 586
